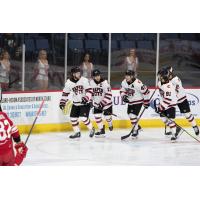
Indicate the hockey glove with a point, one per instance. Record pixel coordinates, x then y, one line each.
91 104
84 100
62 104
146 104
21 151
125 99
101 105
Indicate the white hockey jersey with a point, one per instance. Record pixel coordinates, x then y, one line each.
101 93
79 89
168 96
180 91
137 92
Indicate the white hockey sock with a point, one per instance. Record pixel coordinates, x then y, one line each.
164 119
169 124
133 119
109 119
190 119
87 122
75 124
99 121
172 126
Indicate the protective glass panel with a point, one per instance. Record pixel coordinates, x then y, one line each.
89 51
44 69
135 51
182 52
11 61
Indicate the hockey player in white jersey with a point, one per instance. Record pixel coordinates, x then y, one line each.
82 93
167 102
182 101
136 94
102 101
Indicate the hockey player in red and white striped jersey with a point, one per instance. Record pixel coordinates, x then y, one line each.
168 100
102 101
136 94
82 94
182 101
9 134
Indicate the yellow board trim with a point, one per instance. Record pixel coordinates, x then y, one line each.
146 123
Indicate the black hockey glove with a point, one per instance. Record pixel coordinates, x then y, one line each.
146 105
125 99
101 105
62 104
91 104
84 100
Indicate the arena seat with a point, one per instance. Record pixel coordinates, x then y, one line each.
95 36
77 36
42 44
117 36
75 44
92 44
144 45
134 36
127 44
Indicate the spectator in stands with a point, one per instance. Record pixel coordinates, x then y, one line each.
87 66
131 61
41 70
4 70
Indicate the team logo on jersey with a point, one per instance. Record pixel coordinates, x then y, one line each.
78 89
130 92
97 91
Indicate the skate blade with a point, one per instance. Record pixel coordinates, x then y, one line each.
168 136
168 133
100 136
173 141
75 139
134 137
91 136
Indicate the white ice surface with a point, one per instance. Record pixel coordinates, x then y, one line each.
151 148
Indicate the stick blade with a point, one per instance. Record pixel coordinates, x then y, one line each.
125 136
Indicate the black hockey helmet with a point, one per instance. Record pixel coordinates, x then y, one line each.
160 71
75 70
170 69
96 72
164 75
130 73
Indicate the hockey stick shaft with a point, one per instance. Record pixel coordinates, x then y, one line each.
128 135
34 121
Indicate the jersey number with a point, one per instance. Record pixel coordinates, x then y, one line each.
168 93
5 130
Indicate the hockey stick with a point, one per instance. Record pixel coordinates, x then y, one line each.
180 128
67 107
34 121
128 135
183 130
